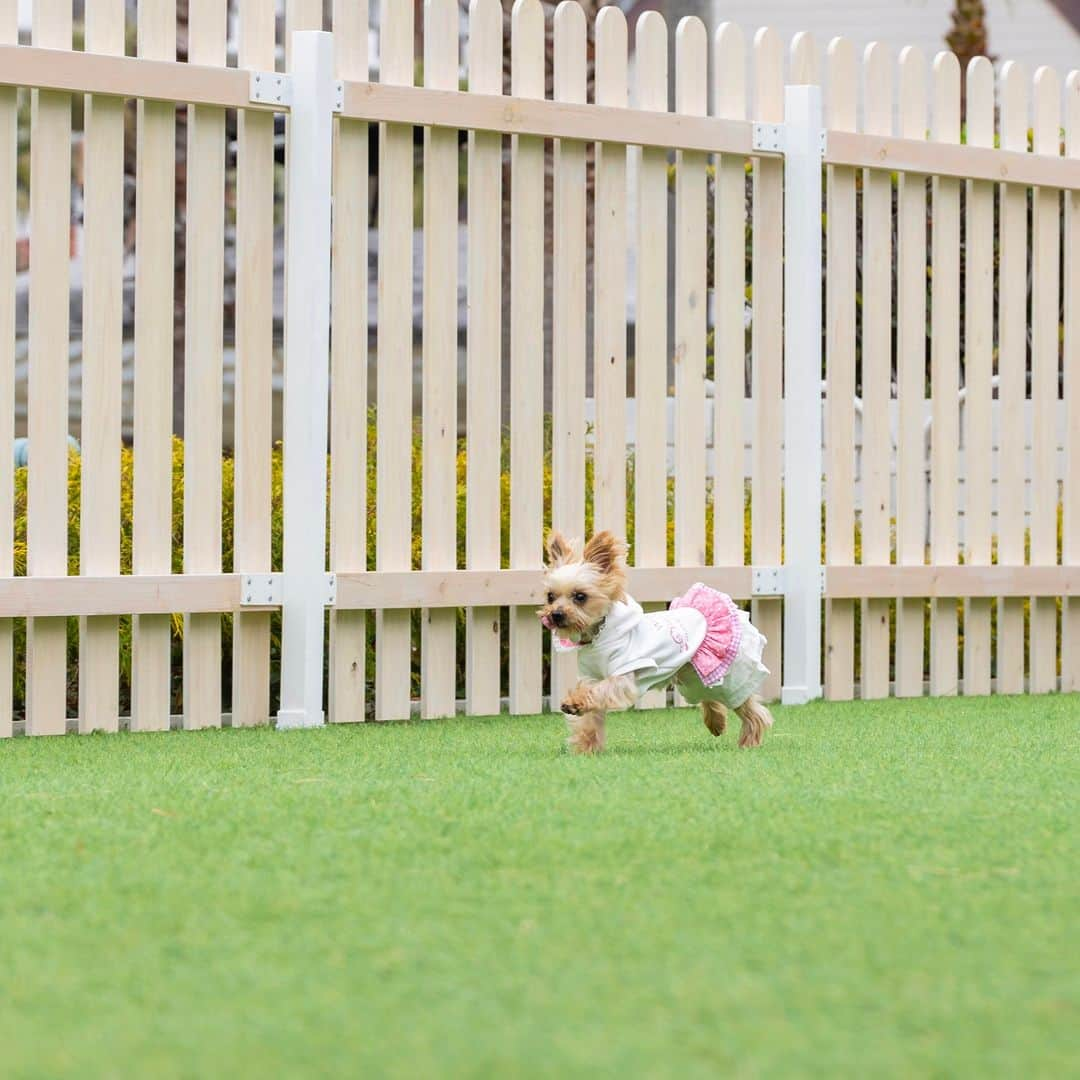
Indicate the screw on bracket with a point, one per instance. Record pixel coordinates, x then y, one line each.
268 87
768 138
768 581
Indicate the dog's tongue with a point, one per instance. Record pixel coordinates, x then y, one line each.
561 642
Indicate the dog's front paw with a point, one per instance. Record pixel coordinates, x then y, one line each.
578 701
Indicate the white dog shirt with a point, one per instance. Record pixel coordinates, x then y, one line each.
655 645
662 645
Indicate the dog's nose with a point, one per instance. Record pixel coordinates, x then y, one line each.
558 618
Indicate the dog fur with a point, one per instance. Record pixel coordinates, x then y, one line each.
580 587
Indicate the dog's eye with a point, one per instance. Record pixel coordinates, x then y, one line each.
551 598
580 598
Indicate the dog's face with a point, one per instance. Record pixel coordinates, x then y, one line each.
580 588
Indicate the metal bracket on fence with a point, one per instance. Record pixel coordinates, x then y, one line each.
331 589
339 96
270 88
260 590
767 581
824 143
769 138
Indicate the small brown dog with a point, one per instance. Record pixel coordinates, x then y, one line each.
703 644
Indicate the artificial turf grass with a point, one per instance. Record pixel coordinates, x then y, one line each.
883 889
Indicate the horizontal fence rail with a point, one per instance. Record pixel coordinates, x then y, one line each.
137 594
615 258
63 71
545 119
855 150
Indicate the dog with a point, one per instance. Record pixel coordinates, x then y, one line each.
703 644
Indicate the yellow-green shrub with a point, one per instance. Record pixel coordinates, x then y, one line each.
127 464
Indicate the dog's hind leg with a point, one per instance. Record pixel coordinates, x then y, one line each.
755 719
715 716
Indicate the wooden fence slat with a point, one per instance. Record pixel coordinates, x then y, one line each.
803 60
729 271
47 395
349 370
301 15
203 358
840 290
945 375
253 393
568 347
691 269
438 648
609 284
526 353
9 32
1070 553
877 352
690 306
393 520
1045 281
103 270
911 377
155 212
1012 375
651 316
767 345
978 367
484 361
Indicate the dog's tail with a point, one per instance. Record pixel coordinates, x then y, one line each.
755 719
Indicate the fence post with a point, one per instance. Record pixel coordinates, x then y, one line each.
802 394
307 367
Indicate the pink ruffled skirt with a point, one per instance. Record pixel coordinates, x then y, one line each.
723 632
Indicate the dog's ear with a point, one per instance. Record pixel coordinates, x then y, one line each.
559 549
605 551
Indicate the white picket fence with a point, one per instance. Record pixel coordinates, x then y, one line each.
579 142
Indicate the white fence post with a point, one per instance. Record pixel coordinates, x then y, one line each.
307 367
802 395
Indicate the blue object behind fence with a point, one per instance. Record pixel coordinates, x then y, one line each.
22 450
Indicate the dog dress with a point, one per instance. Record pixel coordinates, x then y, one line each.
704 642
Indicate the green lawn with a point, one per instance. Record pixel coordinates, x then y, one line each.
886 889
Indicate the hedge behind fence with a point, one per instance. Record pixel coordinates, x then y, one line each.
125 524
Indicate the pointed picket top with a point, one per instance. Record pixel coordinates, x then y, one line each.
691 67
840 107
979 120
877 87
1072 114
1013 100
729 71
651 61
571 31
912 93
527 49
612 43
1047 112
768 76
441 44
804 60
946 112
